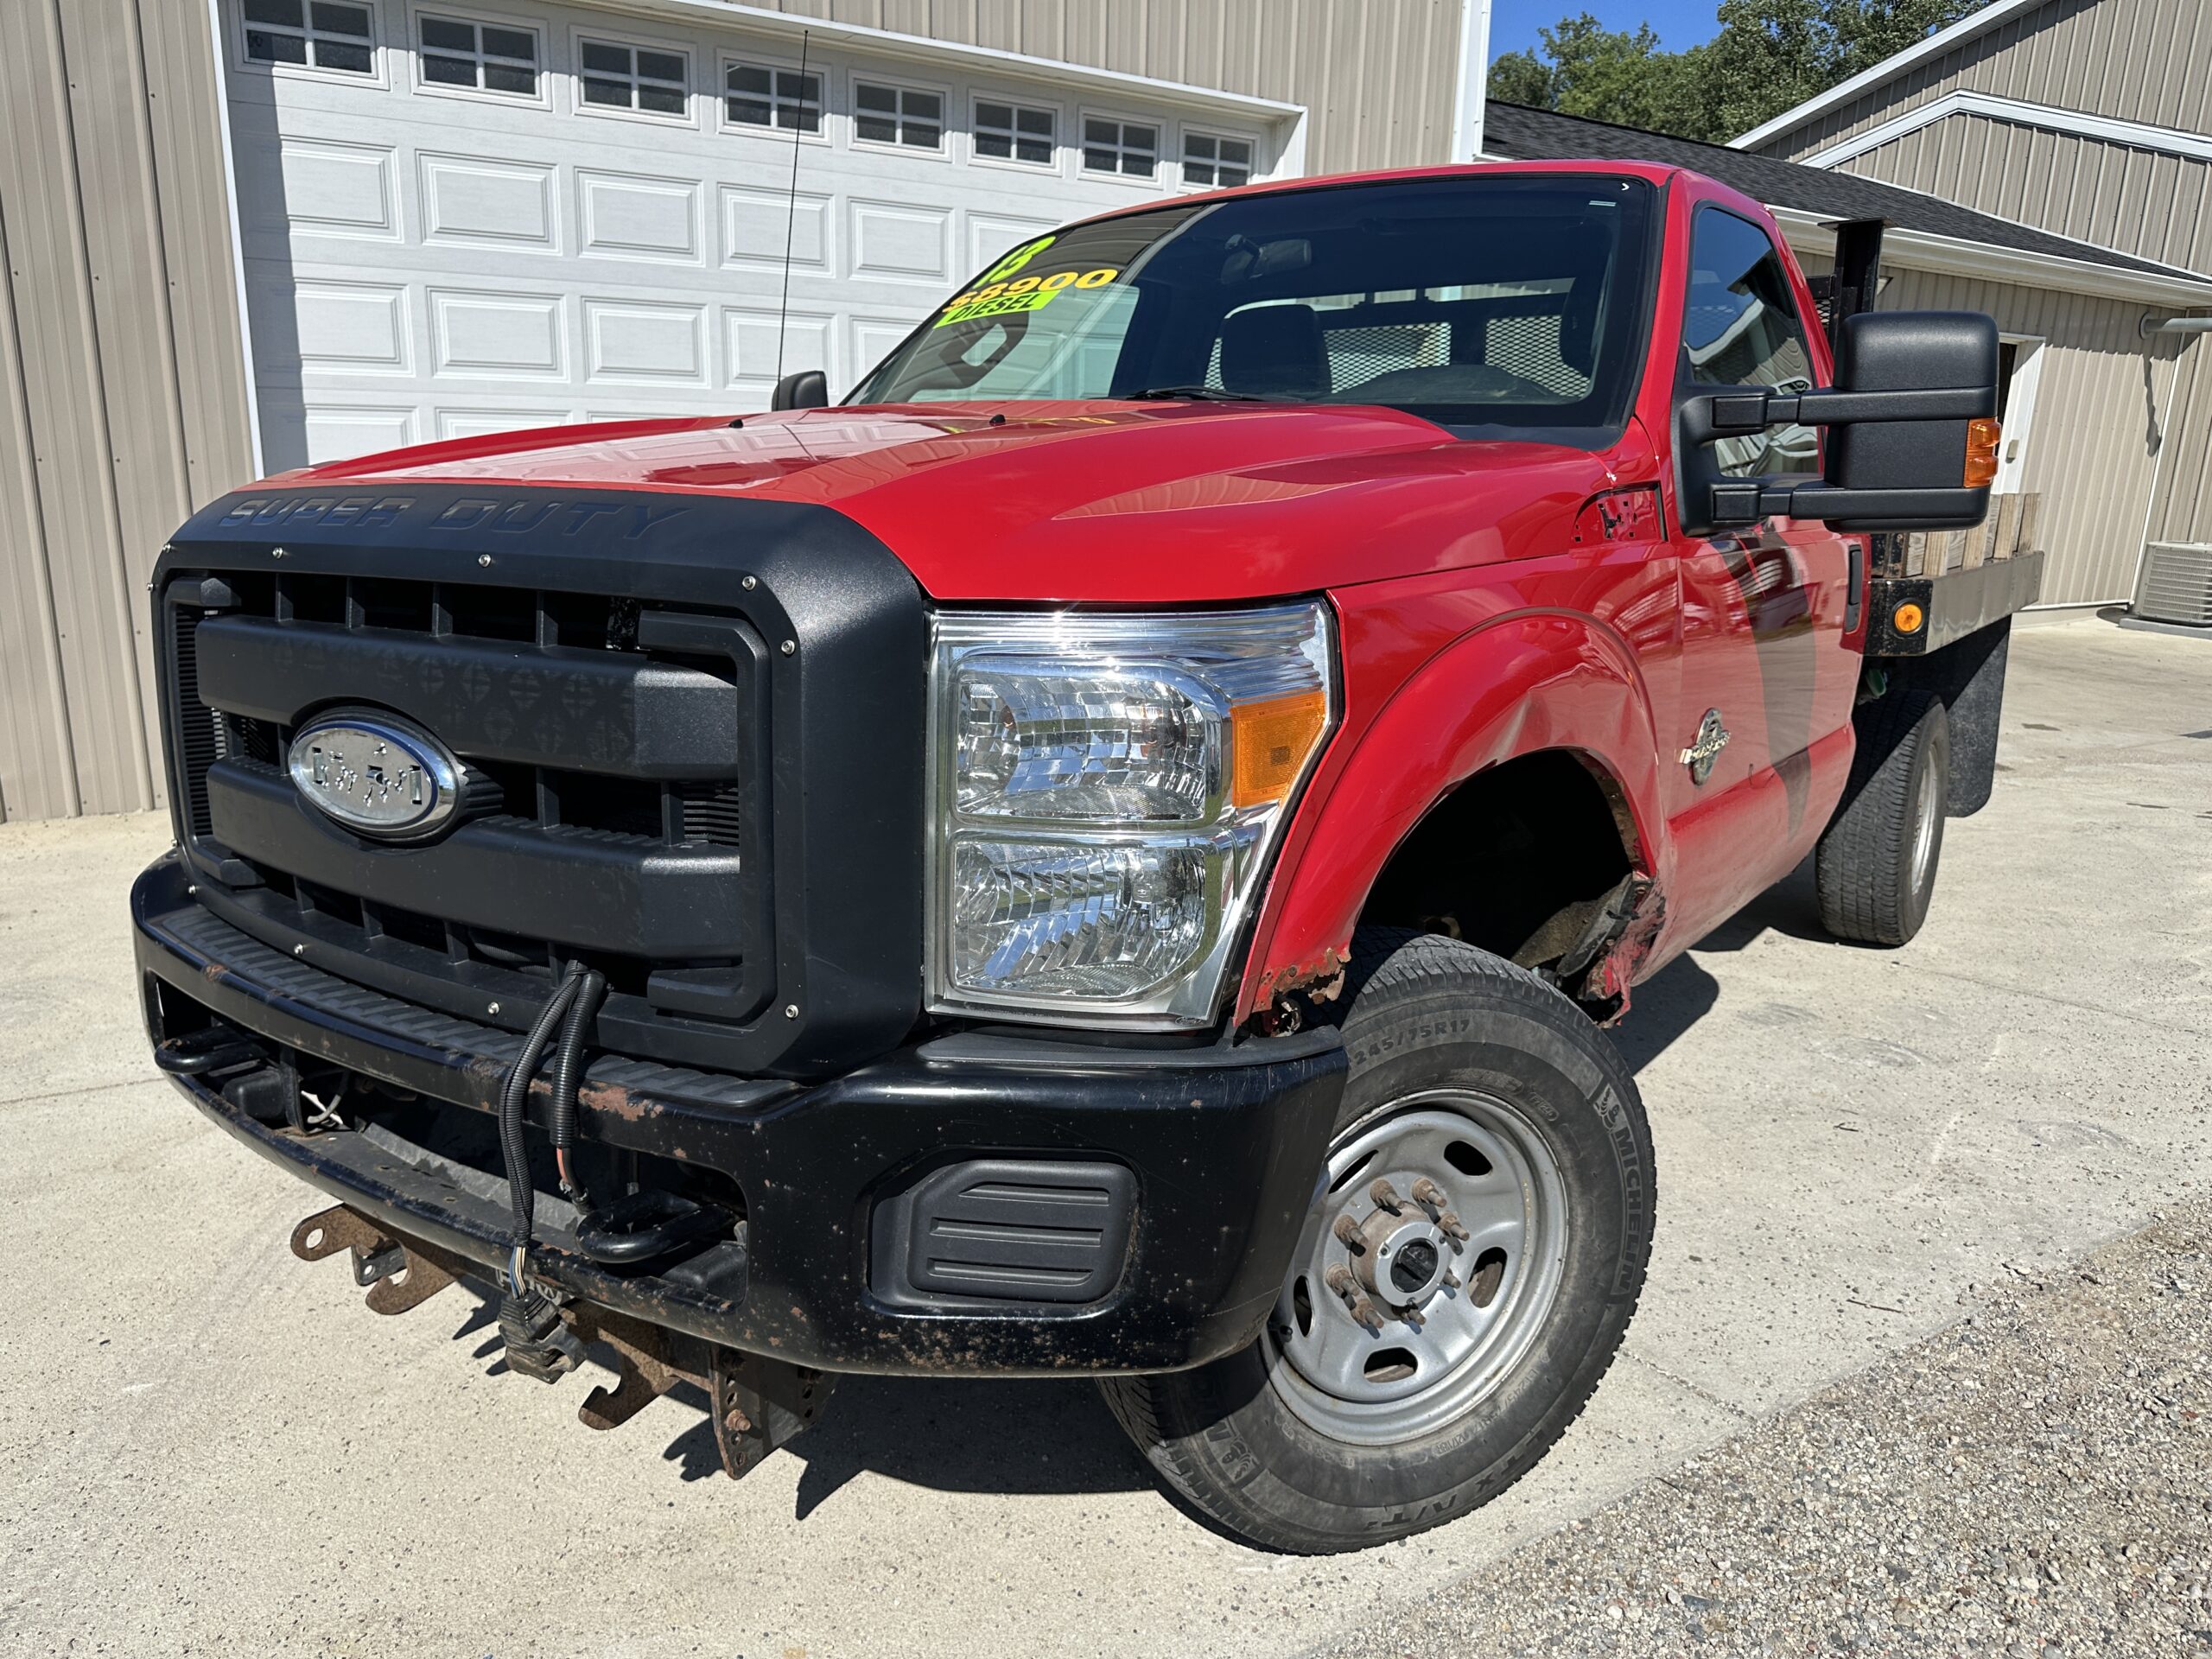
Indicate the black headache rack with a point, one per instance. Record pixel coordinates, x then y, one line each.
695 726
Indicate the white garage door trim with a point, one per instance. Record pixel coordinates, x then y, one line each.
418 263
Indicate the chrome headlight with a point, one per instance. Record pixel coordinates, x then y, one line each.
1110 790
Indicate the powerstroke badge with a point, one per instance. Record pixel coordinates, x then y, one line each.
1711 738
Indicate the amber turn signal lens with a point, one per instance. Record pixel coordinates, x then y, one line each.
1907 619
1981 452
1272 740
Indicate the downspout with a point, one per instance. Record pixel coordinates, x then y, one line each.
2146 328
1474 75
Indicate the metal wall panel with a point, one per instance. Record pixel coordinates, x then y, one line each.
2140 202
122 390
123 405
1378 78
2102 422
2133 59
38 777
2184 510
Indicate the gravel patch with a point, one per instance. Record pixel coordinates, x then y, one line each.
2036 1479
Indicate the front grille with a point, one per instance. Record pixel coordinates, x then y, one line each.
692 721
673 813
547 694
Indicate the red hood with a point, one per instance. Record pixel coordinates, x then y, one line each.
1107 502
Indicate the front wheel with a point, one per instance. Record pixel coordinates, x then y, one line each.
1463 1280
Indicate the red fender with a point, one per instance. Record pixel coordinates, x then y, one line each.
1525 681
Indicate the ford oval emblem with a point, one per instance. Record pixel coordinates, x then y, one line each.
378 775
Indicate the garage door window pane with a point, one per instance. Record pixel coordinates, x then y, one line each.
457 53
1213 163
266 45
781 99
328 34
1010 132
1128 148
620 78
898 115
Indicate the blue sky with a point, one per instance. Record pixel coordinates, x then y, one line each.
1514 23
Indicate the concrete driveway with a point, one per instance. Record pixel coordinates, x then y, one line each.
206 1444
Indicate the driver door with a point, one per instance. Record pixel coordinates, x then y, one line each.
1764 679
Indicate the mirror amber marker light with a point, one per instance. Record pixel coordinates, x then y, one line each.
1982 437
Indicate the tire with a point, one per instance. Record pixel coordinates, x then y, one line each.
1439 1033
1875 867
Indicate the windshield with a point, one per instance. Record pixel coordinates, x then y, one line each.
1493 306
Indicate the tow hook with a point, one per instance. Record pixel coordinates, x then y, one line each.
398 1275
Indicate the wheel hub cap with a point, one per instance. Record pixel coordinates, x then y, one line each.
1426 1271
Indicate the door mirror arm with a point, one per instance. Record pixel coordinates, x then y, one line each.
1745 412
1914 446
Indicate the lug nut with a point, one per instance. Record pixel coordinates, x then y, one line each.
1347 1231
1385 1196
1452 1281
1429 1192
1415 1317
1451 1226
1338 1278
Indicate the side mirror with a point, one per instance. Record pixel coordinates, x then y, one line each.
802 389
1915 446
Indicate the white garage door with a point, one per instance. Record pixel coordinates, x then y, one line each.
456 221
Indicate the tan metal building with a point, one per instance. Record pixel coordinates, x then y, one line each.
243 234
2091 119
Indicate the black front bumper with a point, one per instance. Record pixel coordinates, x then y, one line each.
1224 1145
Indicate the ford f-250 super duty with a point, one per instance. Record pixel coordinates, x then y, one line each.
1107 852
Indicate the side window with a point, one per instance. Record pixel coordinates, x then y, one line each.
1741 329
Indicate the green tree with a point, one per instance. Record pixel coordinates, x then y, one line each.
1767 56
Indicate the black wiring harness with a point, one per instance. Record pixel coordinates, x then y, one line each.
538 1345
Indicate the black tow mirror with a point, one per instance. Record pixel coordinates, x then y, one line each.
1914 447
802 389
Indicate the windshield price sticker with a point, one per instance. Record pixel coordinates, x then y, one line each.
1021 294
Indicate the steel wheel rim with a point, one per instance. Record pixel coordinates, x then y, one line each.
1395 1380
1923 828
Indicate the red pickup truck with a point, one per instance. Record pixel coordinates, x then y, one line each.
1107 852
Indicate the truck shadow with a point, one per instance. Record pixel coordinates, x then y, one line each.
1017 1438
1669 1004
1021 1437
1052 1437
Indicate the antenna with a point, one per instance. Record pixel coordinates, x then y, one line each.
790 200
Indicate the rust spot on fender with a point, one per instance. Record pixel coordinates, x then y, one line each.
1320 978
